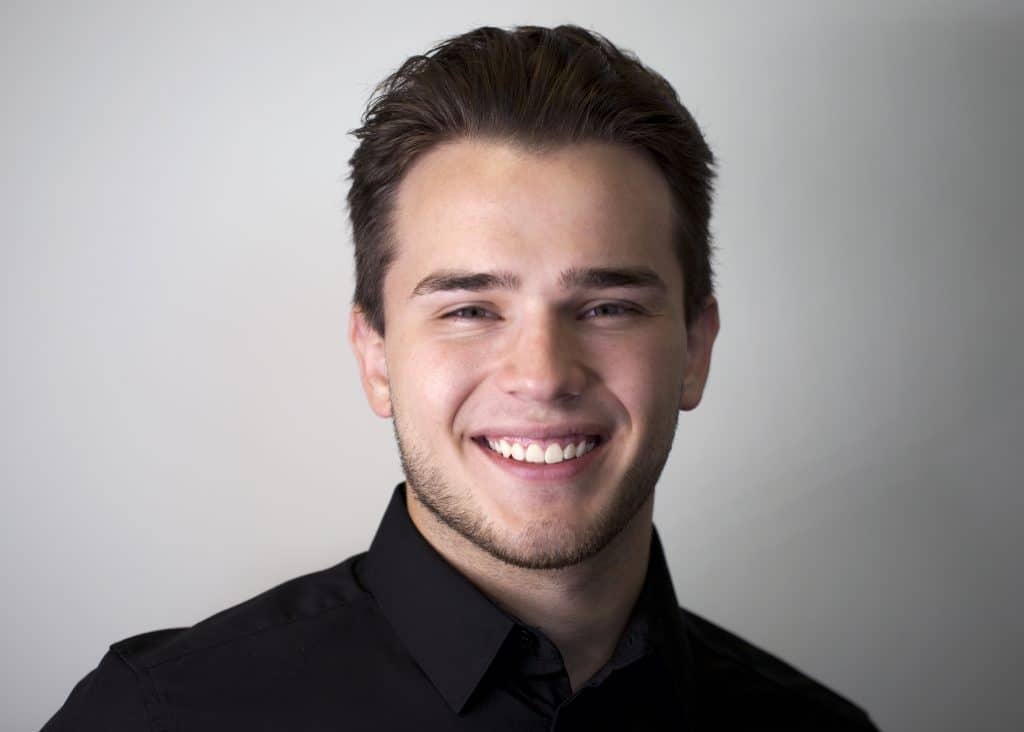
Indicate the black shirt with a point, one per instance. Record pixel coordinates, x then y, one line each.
395 638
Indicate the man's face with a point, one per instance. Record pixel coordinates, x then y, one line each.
536 348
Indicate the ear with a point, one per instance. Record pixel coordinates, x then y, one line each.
700 337
368 347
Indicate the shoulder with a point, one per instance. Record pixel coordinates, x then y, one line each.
108 697
126 690
291 607
738 679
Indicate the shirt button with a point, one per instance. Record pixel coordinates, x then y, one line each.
525 639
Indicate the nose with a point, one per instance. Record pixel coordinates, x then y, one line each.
541 362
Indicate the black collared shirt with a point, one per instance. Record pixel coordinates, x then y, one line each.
396 639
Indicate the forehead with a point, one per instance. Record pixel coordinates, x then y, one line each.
482 203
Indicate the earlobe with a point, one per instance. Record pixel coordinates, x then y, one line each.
700 338
368 347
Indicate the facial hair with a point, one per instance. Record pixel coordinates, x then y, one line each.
545 543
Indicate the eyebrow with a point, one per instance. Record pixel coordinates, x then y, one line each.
577 278
449 279
597 278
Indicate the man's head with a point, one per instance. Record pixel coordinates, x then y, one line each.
530 211
538 88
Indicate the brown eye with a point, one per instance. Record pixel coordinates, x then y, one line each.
470 312
609 309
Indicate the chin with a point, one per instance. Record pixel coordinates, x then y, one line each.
543 545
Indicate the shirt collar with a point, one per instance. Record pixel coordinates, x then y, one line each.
454 632
665 628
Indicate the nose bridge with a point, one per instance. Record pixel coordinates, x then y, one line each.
541 361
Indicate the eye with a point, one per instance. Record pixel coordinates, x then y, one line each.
610 309
469 312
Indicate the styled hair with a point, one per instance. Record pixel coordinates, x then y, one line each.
538 88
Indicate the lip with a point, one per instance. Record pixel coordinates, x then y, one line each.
546 432
542 472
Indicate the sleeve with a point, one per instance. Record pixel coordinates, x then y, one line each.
108 699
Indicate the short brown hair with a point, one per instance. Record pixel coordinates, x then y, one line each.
538 88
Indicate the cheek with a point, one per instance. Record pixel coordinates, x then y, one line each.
434 383
645 376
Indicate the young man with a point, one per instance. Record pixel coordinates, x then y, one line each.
533 309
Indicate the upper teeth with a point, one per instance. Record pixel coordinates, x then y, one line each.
535 453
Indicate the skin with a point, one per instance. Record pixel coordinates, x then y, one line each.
563 551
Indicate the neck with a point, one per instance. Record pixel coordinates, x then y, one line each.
582 609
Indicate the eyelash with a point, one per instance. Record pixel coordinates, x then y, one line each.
623 310
454 314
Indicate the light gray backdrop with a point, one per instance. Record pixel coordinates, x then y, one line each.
181 422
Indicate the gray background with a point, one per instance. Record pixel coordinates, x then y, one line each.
181 422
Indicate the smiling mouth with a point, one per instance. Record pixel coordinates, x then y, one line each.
540 452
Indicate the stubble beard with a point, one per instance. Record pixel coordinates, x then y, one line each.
545 543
